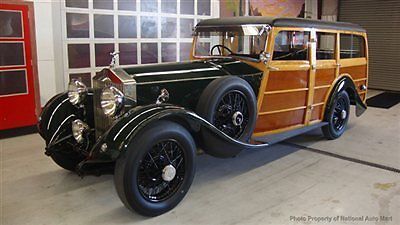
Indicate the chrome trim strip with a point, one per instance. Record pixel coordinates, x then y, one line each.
174 72
54 111
62 123
130 121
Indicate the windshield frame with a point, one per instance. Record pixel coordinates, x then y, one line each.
263 28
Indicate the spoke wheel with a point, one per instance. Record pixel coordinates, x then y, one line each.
232 114
154 185
337 116
156 169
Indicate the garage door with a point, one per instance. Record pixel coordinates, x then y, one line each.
382 21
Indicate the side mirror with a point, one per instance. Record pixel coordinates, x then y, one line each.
264 57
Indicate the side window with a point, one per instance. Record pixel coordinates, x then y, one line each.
291 45
351 46
326 45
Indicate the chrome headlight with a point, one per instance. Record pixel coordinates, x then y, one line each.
111 101
76 92
78 128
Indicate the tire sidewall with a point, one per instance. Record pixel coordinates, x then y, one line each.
136 151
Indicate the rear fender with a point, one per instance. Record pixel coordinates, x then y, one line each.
345 83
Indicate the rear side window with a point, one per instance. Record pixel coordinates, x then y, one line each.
326 45
291 45
351 46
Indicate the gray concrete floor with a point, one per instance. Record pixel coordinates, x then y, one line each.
266 187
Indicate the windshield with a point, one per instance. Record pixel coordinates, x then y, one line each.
243 41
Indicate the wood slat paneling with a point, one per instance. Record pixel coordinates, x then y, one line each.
279 120
320 94
280 101
324 76
316 113
356 72
281 80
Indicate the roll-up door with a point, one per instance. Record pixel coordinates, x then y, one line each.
381 19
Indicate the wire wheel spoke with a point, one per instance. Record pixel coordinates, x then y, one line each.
232 102
151 184
338 119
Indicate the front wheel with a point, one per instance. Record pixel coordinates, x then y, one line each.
337 116
156 171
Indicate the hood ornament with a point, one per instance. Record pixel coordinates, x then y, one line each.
163 97
114 55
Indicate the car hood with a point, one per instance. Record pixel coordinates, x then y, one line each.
189 70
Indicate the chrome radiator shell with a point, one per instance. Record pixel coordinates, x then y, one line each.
125 83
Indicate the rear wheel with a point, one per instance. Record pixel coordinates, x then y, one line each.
337 116
155 173
230 105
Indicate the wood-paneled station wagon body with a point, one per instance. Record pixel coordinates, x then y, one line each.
252 81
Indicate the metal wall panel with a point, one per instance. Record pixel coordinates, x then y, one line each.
381 19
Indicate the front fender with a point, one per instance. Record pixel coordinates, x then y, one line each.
125 130
58 113
345 83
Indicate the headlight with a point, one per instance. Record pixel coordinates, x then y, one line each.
78 128
111 100
76 92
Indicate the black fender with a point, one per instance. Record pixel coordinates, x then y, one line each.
346 83
58 113
126 128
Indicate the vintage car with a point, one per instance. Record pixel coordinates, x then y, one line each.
251 82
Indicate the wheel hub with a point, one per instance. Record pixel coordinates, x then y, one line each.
237 118
168 173
343 114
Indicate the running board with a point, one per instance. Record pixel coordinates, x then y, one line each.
275 138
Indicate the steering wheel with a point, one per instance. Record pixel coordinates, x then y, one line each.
220 47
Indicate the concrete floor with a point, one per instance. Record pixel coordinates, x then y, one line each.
266 187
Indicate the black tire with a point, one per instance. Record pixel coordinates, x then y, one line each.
335 116
212 97
67 159
134 170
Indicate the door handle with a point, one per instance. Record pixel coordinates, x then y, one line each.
313 66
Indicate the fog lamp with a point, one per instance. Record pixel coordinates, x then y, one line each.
78 129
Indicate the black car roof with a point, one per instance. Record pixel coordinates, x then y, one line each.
280 22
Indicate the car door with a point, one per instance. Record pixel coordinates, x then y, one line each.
326 71
284 93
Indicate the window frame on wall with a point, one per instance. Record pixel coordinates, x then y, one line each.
116 41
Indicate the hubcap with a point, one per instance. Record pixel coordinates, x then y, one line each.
168 173
339 116
237 118
343 114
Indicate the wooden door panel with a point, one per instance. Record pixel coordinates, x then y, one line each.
324 76
284 80
281 101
